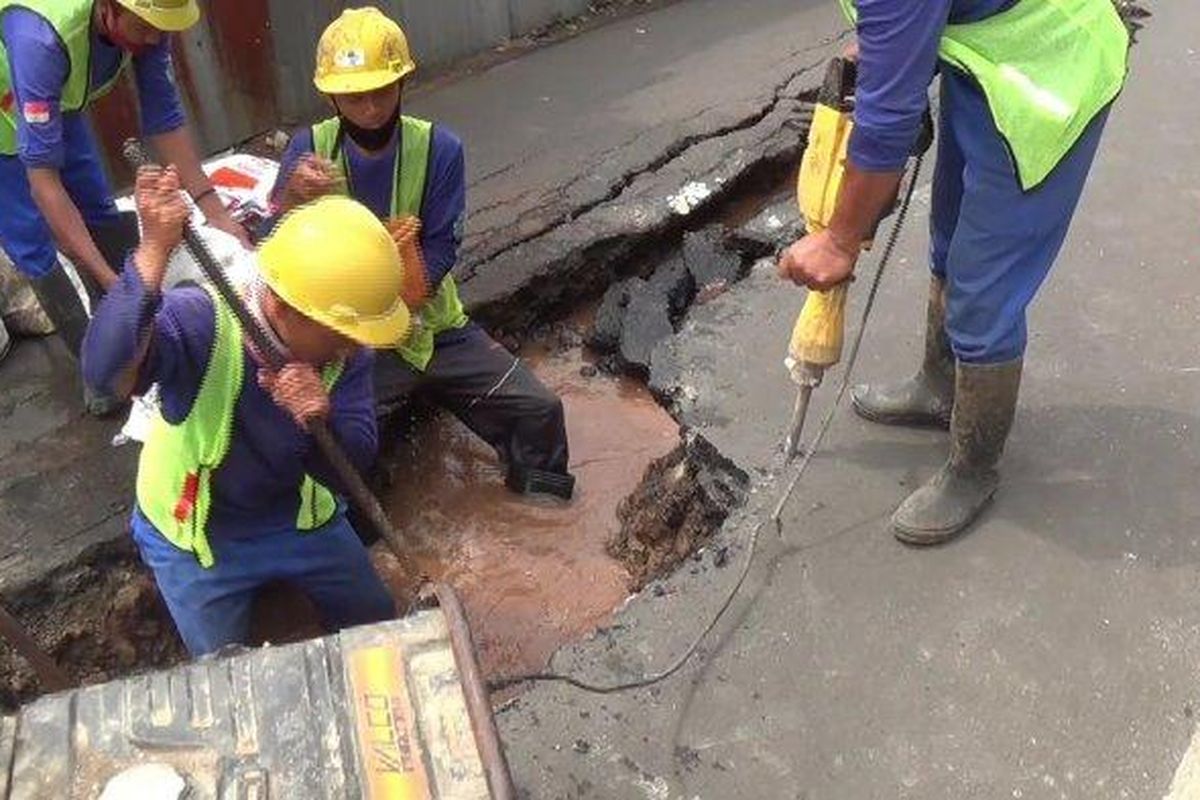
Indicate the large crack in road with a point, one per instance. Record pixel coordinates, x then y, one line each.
98 613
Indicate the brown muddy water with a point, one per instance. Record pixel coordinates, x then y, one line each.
533 573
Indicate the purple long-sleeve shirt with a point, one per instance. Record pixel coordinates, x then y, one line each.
372 176
256 490
39 66
898 55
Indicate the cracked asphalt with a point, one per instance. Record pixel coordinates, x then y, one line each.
627 112
1050 654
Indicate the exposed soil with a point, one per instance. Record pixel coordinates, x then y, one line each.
683 499
534 574
100 619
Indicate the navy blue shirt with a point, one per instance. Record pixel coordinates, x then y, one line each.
898 46
256 490
39 67
372 177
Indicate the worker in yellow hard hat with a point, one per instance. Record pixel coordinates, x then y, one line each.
231 492
56 57
410 172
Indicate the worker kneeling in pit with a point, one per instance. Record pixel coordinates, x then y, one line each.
231 492
410 173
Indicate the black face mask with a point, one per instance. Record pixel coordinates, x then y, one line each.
372 139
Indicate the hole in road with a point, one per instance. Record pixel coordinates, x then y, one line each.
533 574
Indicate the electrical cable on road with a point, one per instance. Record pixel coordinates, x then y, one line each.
776 515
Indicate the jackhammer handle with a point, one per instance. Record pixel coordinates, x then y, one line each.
821 328
356 488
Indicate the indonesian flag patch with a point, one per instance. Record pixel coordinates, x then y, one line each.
36 112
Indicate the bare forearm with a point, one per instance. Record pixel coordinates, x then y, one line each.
864 199
176 148
67 225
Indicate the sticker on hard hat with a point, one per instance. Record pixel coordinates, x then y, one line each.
350 59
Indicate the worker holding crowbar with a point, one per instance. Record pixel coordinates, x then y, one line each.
410 172
1025 91
231 492
56 58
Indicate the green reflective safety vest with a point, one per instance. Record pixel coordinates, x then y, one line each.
72 21
444 311
174 481
1047 68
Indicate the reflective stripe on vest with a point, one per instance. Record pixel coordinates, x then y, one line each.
174 481
72 21
1047 68
444 311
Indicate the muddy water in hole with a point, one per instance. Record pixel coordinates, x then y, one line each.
533 573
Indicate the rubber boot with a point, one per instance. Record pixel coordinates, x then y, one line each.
986 399
62 304
523 480
927 398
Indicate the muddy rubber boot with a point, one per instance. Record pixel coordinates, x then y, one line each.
61 302
523 480
986 399
926 399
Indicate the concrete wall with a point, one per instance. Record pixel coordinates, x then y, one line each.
247 67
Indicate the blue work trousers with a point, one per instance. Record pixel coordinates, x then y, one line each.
211 607
24 232
992 243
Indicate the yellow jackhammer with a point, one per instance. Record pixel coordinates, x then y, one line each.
819 333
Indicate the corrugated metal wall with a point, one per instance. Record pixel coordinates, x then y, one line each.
247 67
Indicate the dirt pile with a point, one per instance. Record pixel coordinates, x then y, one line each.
100 618
683 499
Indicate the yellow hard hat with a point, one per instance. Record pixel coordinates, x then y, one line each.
360 51
335 262
166 15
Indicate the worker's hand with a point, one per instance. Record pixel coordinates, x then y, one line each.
298 390
406 233
850 51
818 261
312 177
163 212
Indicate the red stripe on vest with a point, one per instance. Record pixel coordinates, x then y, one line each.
187 500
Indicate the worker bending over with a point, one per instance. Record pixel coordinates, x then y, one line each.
406 169
1025 91
56 58
231 492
